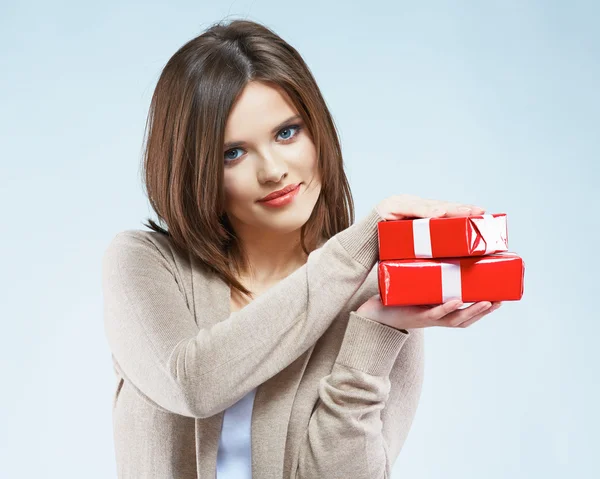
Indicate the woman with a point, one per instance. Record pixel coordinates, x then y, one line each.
247 336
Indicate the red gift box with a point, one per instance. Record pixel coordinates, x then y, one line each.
451 237
495 277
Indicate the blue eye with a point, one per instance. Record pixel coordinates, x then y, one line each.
232 159
288 128
229 157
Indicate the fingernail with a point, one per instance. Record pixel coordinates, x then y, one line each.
464 208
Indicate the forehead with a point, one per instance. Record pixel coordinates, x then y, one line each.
258 109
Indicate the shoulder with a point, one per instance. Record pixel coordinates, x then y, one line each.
137 242
151 250
144 249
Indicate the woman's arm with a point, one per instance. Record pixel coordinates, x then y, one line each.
200 372
366 405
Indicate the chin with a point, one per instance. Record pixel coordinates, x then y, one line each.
288 218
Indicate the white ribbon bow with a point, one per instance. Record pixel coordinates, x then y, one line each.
491 229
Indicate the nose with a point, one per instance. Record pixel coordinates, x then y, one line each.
271 168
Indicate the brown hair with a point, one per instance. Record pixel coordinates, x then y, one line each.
184 137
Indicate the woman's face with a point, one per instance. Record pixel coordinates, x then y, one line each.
272 150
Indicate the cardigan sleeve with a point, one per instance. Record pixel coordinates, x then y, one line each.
366 404
198 372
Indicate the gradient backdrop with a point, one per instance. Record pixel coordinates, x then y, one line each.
494 103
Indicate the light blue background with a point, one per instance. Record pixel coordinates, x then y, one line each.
492 103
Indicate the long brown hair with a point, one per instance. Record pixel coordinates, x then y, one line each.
184 136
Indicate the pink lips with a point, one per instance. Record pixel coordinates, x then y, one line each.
283 199
281 192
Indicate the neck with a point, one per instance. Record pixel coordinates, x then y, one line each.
272 258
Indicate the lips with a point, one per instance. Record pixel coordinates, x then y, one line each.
280 192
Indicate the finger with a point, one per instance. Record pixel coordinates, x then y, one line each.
447 204
411 206
415 207
435 313
455 318
453 207
427 206
459 209
437 209
425 307
477 317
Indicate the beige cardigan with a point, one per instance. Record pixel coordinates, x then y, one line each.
337 392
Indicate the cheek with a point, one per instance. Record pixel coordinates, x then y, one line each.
235 190
312 166
307 156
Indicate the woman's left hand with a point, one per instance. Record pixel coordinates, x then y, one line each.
447 314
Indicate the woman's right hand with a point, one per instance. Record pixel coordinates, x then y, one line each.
403 206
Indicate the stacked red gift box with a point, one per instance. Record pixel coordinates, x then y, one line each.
434 260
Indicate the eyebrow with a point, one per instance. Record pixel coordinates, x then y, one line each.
235 144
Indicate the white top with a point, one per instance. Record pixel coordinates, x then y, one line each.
234 458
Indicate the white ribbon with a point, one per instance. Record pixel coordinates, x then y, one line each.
492 230
422 238
451 283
